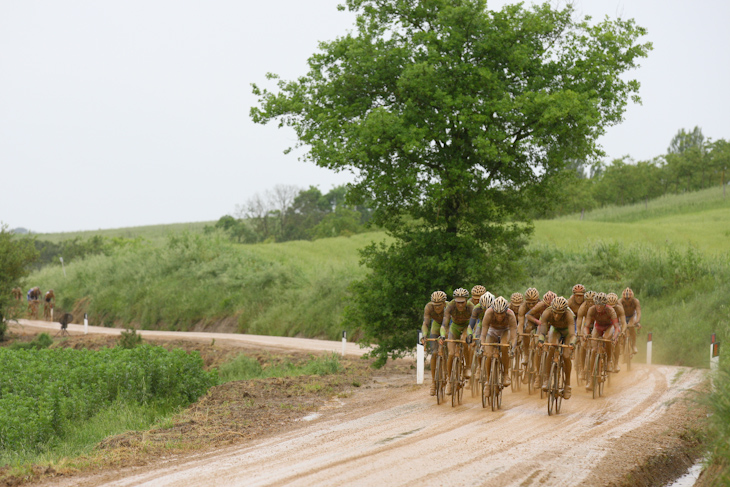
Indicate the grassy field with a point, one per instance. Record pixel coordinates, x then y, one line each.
700 220
148 232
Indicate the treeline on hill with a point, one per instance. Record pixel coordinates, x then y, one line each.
290 213
692 162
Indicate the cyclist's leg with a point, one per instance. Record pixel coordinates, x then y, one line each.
452 353
631 320
591 364
526 344
467 352
434 333
608 335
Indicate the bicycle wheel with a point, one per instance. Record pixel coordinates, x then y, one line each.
609 366
438 378
544 371
454 379
552 389
628 352
500 383
484 380
604 373
493 377
560 384
597 376
516 371
530 371
462 379
473 382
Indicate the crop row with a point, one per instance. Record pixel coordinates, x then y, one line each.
43 391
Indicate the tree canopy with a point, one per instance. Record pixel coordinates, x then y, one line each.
453 118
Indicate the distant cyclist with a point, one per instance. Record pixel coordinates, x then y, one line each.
17 294
500 326
534 314
558 322
632 308
532 297
456 321
34 296
433 315
50 303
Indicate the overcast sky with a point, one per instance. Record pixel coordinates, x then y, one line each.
128 113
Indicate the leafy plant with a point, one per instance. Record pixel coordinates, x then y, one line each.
129 339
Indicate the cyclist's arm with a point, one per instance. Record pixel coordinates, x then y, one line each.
512 330
425 327
446 322
486 320
542 331
638 311
529 316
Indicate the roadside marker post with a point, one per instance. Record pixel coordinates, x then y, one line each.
86 324
714 353
419 359
648 349
344 342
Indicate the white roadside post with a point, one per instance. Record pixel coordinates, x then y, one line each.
419 359
344 342
86 324
648 349
63 266
714 354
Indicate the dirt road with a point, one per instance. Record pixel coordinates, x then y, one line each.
394 434
269 342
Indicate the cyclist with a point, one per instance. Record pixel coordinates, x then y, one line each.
499 325
476 293
605 325
534 314
17 294
583 311
576 300
456 319
524 326
560 321
34 295
515 301
612 301
433 315
475 322
632 309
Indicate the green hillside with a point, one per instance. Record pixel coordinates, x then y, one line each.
149 232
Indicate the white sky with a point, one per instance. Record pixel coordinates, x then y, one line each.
127 113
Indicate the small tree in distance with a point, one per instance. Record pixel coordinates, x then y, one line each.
454 119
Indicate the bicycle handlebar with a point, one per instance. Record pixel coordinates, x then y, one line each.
600 339
496 345
454 341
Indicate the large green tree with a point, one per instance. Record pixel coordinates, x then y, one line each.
450 116
16 255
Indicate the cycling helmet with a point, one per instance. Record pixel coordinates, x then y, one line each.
548 298
438 297
478 290
559 304
516 298
628 293
461 293
486 300
579 289
612 299
590 295
532 295
500 305
599 299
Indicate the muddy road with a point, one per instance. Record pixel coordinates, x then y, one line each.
393 433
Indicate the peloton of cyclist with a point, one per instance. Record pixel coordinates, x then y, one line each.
500 325
433 316
560 322
605 325
632 309
612 301
456 320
